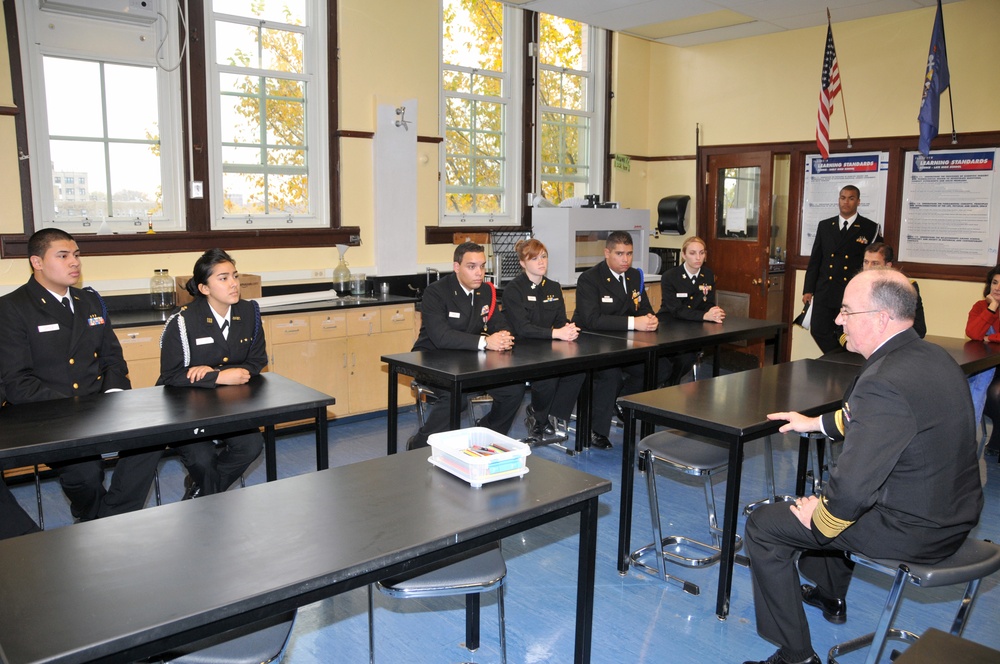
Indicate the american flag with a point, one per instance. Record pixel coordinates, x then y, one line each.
829 87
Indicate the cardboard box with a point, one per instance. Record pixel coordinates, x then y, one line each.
249 288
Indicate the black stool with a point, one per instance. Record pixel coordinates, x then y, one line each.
973 561
689 454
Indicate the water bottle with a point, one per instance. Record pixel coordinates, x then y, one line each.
161 290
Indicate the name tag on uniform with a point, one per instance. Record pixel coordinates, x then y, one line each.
532 298
607 299
201 341
48 328
682 295
454 314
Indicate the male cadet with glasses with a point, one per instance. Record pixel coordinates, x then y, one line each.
906 486
460 312
57 343
837 255
610 296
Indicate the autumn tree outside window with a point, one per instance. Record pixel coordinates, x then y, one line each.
265 69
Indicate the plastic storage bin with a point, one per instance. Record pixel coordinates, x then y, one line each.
478 455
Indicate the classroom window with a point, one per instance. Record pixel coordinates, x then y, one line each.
479 120
568 109
265 72
100 108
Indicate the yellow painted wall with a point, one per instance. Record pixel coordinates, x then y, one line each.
765 89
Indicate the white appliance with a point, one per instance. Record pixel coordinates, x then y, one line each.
575 237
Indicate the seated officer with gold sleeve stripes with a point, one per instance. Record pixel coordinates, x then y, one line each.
906 485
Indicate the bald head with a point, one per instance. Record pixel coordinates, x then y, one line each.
878 304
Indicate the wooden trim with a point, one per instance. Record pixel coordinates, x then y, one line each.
333 112
608 96
20 121
446 234
370 135
896 147
16 246
639 157
352 133
9 110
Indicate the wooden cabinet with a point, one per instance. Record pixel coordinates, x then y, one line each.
141 349
338 352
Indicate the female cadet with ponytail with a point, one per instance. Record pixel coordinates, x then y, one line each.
215 340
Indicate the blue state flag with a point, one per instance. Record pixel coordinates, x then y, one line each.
936 81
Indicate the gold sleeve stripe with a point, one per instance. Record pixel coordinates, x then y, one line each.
827 523
838 417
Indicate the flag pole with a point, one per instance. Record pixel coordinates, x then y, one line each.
951 106
843 97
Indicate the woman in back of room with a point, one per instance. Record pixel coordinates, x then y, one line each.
215 340
983 324
535 309
689 294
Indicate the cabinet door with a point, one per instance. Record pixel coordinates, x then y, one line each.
569 297
655 294
141 350
319 364
369 376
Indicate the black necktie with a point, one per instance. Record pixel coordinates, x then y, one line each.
65 303
621 280
472 301
225 329
844 229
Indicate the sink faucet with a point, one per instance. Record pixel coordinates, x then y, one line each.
437 273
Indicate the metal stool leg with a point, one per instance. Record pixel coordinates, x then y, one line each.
156 486
772 496
38 499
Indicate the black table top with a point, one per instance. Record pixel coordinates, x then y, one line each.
735 406
686 334
530 357
973 356
101 587
70 428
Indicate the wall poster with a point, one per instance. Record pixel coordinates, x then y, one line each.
948 200
826 177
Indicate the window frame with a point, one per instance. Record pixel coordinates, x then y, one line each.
596 113
39 135
315 113
198 234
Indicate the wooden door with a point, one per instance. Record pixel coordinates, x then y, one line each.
737 225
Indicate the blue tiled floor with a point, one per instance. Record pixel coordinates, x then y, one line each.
636 618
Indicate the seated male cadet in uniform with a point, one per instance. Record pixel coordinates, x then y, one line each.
58 343
460 312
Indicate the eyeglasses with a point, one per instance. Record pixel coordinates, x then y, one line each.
845 312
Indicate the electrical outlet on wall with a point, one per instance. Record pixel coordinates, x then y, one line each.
319 274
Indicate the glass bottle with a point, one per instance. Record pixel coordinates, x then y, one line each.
342 278
161 290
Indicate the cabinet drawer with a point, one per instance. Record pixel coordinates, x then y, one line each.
140 343
287 329
328 326
364 321
397 318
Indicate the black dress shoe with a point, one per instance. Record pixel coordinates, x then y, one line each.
776 658
415 442
599 441
834 610
191 490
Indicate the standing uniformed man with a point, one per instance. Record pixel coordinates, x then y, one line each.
837 255
58 343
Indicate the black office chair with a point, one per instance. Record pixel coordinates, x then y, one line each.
262 642
469 574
